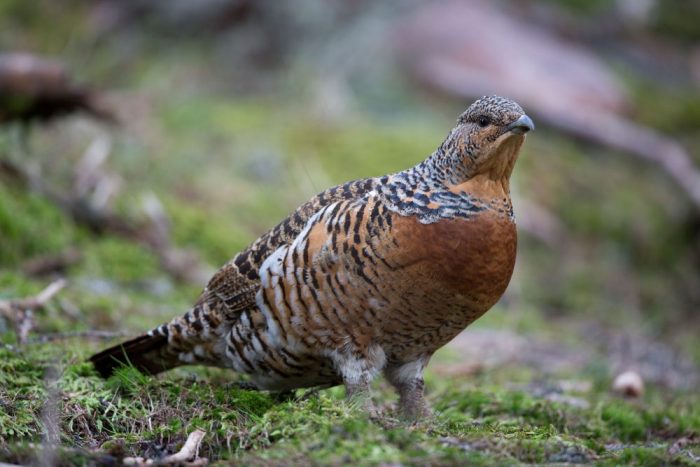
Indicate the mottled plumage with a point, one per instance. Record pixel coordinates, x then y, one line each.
371 276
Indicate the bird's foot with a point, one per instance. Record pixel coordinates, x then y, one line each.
363 401
415 411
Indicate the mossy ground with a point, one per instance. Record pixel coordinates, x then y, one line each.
486 418
226 167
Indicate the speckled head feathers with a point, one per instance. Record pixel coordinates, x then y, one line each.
486 140
498 110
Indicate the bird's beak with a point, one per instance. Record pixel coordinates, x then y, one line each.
521 125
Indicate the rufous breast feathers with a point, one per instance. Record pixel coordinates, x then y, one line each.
466 257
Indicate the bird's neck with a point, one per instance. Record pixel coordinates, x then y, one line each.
446 170
443 187
486 176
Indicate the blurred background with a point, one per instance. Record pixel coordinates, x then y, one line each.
143 143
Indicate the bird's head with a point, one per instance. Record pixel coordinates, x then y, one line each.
486 140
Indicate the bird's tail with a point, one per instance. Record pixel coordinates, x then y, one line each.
149 353
195 338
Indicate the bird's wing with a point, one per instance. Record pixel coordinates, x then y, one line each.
331 270
234 286
197 334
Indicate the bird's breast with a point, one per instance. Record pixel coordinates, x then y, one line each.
467 261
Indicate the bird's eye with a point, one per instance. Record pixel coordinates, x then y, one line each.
483 121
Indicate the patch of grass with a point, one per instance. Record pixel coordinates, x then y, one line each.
624 422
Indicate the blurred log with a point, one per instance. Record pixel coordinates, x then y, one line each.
51 264
470 48
40 89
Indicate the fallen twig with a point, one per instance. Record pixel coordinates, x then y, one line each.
616 132
187 456
20 311
50 417
51 263
189 450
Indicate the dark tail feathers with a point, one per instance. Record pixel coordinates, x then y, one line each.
146 353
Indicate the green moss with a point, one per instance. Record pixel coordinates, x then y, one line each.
216 241
30 226
21 395
625 422
128 380
119 260
475 426
251 403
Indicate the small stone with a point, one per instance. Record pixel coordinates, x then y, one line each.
628 384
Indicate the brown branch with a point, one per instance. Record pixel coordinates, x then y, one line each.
20 311
613 131
51 263
97 458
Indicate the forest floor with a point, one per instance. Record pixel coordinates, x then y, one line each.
530 382
499 395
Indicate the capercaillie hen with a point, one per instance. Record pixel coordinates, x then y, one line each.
371 276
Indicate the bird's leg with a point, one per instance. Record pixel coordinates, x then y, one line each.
357 386
358 390
407 378
244 386
357 373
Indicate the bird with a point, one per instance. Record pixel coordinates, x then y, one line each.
34 88
369 277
